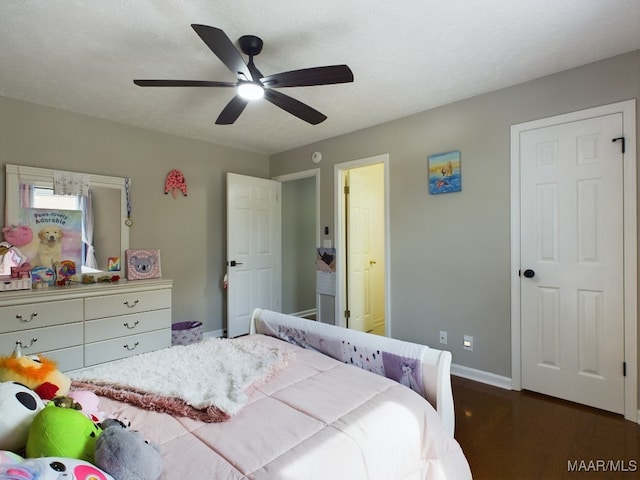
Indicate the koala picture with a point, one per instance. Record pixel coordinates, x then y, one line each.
142 264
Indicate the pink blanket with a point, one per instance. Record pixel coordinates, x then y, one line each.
317 419
207 380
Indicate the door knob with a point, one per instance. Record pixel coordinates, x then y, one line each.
233 263
372 262
529 273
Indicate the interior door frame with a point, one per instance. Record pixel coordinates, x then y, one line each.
341 273
628 110
315 173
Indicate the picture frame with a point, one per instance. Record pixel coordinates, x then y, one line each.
143 263
113 264
444 171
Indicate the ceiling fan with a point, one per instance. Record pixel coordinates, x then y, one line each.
252 84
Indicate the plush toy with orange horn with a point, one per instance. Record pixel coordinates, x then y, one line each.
38 373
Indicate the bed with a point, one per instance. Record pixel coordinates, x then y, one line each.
310 413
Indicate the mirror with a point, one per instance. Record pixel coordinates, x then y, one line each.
108 204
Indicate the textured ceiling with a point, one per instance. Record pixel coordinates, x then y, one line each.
407 56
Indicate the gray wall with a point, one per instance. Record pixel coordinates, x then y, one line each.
189 231
298 245
450 254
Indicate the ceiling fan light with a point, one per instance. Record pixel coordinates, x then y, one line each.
250 91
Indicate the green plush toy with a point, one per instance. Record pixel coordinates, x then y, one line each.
62 432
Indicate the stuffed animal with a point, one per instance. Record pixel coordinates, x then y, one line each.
18 407
88 402
10 458
14 467
124 453
62 432
18 235
66 402
36 372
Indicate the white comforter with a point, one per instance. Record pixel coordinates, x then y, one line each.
318 419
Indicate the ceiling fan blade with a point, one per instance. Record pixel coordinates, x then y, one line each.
232 111
224 49
310 76
182 83
294 107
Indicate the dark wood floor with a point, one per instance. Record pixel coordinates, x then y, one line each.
523 435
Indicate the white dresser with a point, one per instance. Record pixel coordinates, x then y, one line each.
82 325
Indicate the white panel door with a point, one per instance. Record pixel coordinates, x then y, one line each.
572 308
360 258
253 249
365 247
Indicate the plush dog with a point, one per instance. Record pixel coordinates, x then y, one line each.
50 246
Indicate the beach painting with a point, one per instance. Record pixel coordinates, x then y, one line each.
444 173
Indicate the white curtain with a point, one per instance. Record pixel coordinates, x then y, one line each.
87 231
26 195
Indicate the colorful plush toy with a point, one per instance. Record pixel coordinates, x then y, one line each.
124 453
38 373
62 432
14 467
18 407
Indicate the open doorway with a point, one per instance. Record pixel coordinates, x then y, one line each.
300 236
362 243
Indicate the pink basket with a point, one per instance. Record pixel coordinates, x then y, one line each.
186 333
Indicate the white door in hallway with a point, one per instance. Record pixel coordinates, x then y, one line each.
572 261
253 249
358 247
365 247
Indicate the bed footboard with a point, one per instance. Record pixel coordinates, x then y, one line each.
423 369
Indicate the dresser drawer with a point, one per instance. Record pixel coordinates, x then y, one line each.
126 303
67 358
34 315
125 325
109 350
47 338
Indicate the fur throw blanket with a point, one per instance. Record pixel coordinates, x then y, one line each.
207 381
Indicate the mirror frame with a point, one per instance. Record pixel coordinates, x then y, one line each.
43 177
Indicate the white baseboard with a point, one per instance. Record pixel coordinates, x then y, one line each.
215 333
481 376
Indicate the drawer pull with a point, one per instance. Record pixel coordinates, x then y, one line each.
22 319
131 305
19 343
135 324
126 345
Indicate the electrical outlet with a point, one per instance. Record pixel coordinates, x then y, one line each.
467 343
443 337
